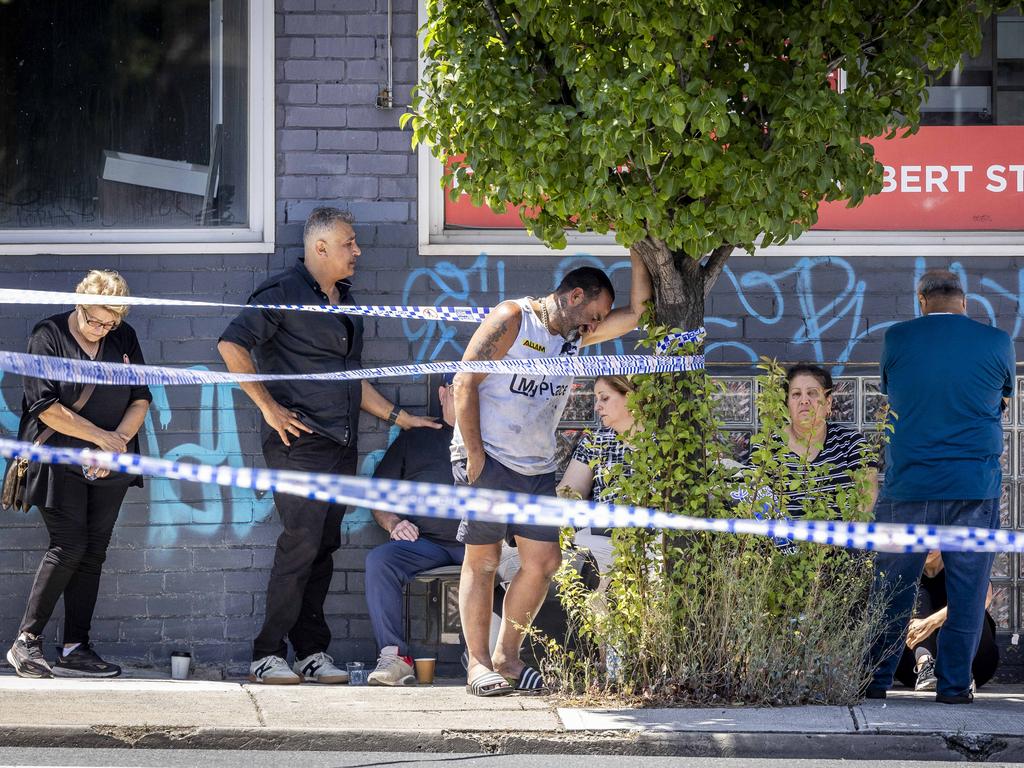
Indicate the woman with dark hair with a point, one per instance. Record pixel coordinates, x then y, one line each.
821 449
814 441
79 504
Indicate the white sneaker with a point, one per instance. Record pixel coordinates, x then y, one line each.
392 669
272 670
319 668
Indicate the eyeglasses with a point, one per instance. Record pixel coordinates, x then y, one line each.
99 325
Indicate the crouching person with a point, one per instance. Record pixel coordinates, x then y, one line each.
417 543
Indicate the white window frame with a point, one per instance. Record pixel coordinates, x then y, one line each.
435 240
258 237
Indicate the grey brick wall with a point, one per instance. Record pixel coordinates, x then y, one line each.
188 564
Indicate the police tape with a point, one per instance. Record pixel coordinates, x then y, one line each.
454 314
98 372
461 502
438 312
676 339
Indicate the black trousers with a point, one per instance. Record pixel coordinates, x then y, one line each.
80 531
303 563
986 658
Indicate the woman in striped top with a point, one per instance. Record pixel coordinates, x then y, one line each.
814 441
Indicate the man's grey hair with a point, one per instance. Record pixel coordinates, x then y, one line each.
324 219
937 283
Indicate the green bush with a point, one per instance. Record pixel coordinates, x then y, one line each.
711 618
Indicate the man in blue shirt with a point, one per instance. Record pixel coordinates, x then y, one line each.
948 379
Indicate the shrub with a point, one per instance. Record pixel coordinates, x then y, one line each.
710 618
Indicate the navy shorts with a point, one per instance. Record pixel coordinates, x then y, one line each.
497 476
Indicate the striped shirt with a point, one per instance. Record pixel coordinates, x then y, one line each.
844 450
599 450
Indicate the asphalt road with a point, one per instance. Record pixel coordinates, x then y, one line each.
186 758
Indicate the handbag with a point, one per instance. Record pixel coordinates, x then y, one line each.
16 476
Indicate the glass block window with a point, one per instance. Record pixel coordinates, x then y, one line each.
858 403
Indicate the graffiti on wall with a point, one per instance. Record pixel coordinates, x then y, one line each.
828 323
825 307
209 509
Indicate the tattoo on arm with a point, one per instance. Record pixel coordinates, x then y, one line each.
485 348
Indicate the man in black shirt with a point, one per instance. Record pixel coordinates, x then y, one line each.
417 543
309 426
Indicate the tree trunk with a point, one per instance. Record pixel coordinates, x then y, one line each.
681 282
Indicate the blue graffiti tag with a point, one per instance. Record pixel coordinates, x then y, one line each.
172 502
449 284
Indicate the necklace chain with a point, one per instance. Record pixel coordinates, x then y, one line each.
544 314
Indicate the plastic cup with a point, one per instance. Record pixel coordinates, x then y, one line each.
425 671
180 662
356 673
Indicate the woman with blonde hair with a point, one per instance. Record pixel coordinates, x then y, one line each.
587 474
79 505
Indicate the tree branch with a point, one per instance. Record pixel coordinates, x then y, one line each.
714 266
838 61
496 21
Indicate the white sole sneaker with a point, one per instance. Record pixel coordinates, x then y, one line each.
407 680
275 680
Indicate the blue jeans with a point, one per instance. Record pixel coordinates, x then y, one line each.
389 568
967 574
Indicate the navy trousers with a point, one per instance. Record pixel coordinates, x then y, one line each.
967 574
389 568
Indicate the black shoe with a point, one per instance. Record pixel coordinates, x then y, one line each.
871 692
83 662
959 698
28 660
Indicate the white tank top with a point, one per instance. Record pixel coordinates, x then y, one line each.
519 412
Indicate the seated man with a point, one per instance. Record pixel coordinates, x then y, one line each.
917 665
417 543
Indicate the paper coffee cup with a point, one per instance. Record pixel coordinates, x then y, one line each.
425 671
180 662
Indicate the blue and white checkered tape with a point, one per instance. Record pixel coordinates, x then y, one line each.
458 502
451 314
677 339
439 312
97 372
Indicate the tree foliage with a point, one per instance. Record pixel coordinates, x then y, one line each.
689 124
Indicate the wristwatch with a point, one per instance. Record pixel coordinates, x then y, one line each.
395 413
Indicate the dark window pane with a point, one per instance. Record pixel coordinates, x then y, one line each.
123 114
985 90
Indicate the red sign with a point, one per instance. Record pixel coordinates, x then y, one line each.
941 178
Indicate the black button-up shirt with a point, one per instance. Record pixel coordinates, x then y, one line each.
286 341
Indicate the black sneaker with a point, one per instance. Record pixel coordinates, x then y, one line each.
960 698
27 658
926 680
873 692
83 662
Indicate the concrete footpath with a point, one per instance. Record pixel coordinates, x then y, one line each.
138 712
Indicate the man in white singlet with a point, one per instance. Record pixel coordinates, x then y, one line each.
505 439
